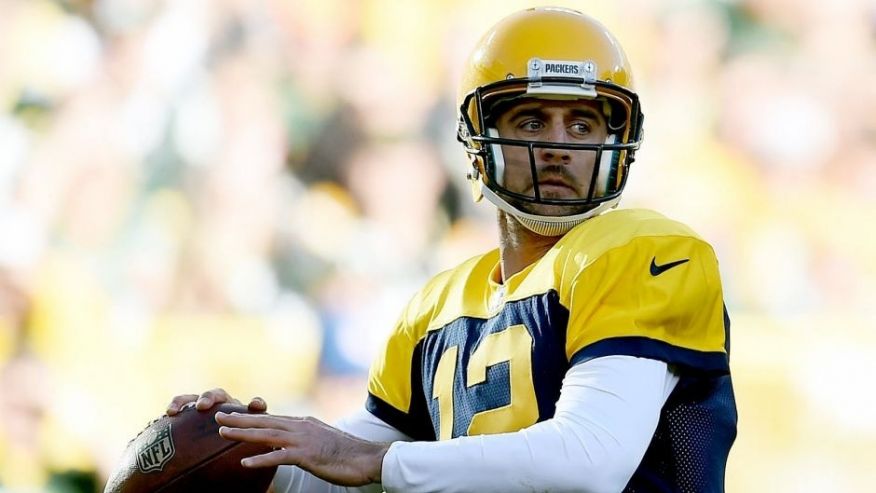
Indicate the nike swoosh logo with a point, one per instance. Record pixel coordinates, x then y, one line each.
656 270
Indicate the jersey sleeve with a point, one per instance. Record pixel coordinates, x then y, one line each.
606 416
395 390
656 297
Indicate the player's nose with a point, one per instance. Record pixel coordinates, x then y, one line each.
555 132
555 155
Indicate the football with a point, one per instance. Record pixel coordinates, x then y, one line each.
185 453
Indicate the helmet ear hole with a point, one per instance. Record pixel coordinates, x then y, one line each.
474 180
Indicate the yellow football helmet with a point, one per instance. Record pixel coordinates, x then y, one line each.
548 53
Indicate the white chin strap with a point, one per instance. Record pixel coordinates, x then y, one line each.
547 225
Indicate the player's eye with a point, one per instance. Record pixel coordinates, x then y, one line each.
530 125
581 128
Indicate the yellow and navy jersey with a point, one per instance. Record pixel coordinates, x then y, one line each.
472 355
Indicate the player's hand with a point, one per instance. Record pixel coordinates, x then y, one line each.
308 443
209 399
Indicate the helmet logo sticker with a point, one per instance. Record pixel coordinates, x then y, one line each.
539 69
561 68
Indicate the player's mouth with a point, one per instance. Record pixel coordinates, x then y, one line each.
556 186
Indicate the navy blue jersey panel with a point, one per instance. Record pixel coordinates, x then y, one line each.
688 453
544 319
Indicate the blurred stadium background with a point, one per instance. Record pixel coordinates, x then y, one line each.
202 193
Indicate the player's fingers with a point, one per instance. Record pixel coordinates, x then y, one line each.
212 397
275 458
242 420
257 405
263 436
179 401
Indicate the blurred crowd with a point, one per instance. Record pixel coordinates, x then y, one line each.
236 193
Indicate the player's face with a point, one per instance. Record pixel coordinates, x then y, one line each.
561 173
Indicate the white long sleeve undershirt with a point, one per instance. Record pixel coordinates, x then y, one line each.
605 417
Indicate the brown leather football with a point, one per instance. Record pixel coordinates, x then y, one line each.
185 453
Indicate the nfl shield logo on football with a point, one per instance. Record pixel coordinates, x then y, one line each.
155 451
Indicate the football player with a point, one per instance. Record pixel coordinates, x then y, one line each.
588 352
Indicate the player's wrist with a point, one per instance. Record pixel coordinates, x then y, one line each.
374 460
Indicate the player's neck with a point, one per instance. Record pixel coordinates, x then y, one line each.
518 246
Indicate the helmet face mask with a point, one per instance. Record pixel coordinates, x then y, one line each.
606 180
532 72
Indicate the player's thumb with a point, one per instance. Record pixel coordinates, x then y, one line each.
257 405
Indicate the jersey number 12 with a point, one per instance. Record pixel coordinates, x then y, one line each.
514 345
